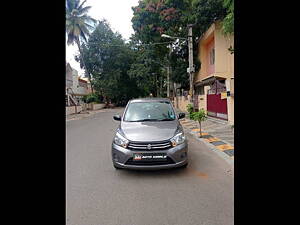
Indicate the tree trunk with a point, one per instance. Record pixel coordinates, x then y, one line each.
200 129
156 86
81 54
161 87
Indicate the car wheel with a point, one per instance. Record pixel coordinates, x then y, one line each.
117 168
184 166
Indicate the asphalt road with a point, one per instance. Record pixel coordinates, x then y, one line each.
97 194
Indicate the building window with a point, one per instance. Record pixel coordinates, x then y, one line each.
212 56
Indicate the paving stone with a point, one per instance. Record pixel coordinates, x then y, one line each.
213 139
207 136
190 127
229 152
215 129
218 143
224 147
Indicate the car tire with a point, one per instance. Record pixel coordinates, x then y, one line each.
117 168
184 166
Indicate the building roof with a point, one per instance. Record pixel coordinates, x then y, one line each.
85 78
81 80
208 80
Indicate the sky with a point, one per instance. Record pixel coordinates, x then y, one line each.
118 13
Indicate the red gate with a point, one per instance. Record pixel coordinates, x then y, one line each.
216 106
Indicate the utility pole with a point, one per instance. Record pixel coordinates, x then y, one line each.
191 64
168 81
168 74
191 68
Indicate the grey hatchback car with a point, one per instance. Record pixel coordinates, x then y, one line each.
149 136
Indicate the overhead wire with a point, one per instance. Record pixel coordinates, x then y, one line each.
136 45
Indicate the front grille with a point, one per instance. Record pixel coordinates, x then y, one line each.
149 163
145 146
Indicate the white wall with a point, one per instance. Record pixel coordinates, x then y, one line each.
71 109
75 82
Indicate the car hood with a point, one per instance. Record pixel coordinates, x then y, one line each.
149 130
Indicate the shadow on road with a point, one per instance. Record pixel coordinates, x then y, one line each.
163 173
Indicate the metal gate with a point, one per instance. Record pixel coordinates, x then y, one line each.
216 106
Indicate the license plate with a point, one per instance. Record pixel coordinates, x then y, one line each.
150 157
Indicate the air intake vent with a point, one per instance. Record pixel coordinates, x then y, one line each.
149 146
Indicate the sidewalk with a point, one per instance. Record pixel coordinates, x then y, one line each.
216 133
87 113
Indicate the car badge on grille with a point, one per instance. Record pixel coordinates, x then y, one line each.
149 147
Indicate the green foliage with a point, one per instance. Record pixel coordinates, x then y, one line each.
92 98
109 59
78 23
152 18
146 71
200 115
190 109
228 22
78 26
120 71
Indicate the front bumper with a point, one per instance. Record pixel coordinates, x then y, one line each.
178 155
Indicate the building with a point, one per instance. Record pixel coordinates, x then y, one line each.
69 76
76 87
88 84
214 82
80 85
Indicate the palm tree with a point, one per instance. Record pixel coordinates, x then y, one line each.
78 26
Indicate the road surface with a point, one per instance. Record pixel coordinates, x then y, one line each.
97 194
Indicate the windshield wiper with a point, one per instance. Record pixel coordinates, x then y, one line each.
144 120
166 119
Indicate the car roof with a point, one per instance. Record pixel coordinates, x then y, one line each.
149 100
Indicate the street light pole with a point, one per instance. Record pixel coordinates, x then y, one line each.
191 68
191 64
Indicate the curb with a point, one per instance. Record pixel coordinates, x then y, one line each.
221 154
89 113
79 116
224 149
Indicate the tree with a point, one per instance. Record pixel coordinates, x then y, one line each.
228 22
109 58
199 116
152 18
146 71
78 26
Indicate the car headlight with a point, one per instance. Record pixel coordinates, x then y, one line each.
178 139
120 140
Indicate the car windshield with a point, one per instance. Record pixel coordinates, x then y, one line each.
149 111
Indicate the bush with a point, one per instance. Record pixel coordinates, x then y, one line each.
91 98
190 109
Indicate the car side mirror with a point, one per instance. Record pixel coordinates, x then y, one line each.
117 117
181 115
